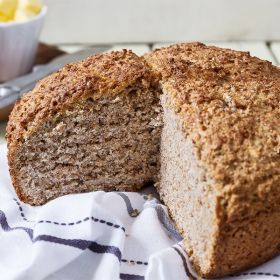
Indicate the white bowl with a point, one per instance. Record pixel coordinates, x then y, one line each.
18 45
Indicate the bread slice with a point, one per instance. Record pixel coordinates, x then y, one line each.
220 154
93 125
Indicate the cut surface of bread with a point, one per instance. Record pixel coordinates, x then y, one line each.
220 154
94 125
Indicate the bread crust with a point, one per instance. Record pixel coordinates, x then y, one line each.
95 77
228 102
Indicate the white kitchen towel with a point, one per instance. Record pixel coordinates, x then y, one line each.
94 236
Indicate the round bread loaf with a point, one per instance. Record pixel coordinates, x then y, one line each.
97 125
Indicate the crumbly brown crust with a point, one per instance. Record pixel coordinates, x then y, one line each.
229 102
96 77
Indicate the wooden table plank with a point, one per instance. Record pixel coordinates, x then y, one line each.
275 48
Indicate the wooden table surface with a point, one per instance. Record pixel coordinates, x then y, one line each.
265 50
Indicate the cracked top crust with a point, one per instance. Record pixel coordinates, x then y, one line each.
97 76
229 104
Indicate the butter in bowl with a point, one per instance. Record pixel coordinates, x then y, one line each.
21 22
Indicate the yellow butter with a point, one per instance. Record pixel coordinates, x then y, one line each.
32 7
22 15
27 9
8 9
3 18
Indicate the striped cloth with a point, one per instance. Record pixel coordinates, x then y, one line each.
94 236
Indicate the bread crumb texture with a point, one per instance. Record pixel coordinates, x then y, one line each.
92 125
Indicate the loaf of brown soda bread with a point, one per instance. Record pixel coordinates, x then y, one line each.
220 154
96 125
